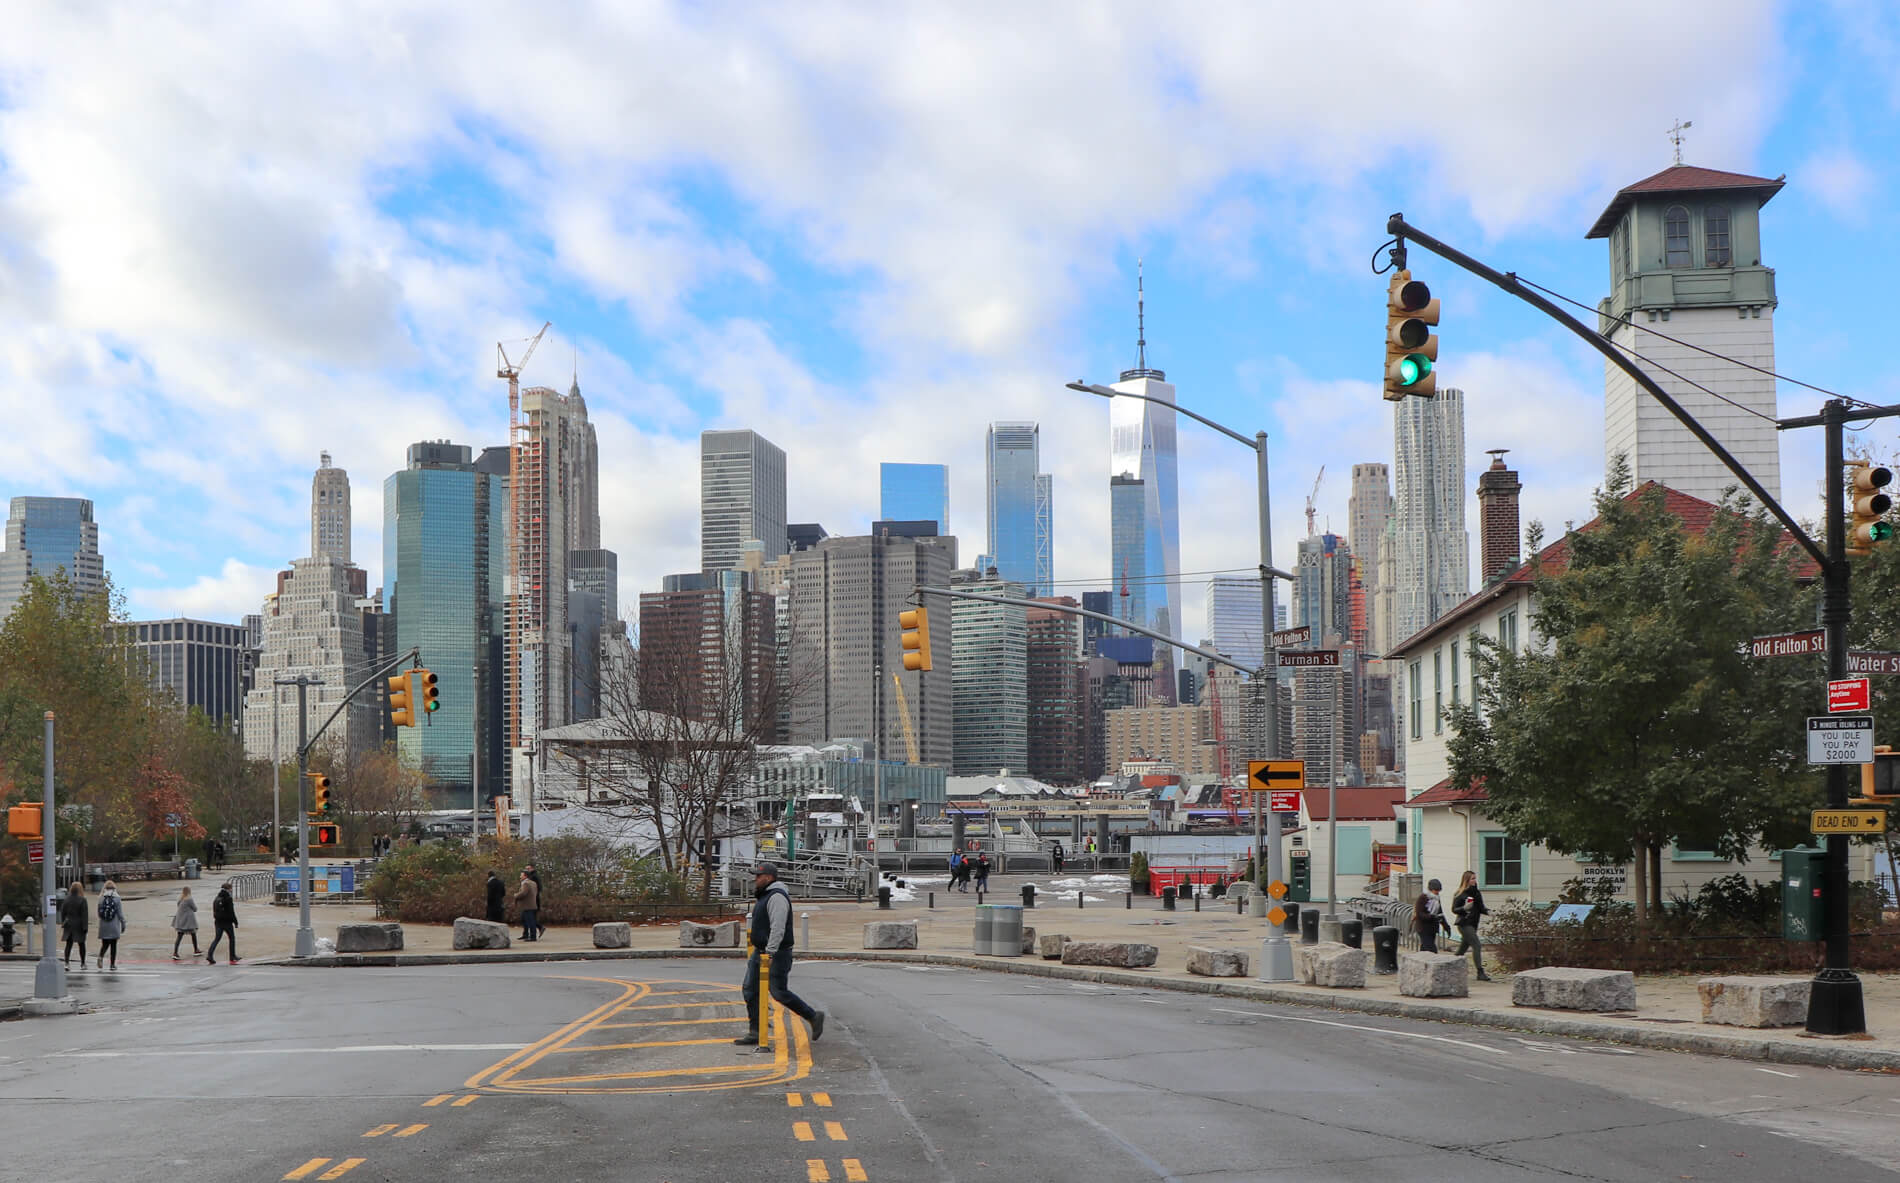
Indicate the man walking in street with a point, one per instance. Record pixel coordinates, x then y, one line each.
772 933
224 916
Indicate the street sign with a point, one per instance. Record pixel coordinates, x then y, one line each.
1301 659
1298 635
1850 821
1848 695
1864 662
36 852
1266 775
1846 739
1276 915
1277 889
1789 644
1284 800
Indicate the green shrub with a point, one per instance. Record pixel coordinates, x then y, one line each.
583 881
1138 869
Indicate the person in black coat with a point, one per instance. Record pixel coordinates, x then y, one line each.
224 916
497 899
74 920
1468 907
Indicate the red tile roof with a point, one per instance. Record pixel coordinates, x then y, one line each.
1682 178
1695 514
1443 793
1357 803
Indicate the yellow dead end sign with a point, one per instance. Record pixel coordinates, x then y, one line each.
1276 914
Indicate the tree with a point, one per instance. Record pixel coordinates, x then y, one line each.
379 794
1639 719
164 809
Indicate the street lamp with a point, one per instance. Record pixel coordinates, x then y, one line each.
1277 960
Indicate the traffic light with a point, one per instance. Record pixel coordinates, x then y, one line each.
319 794
1411 348
1880 781
24 820
324 834
1867 522
402 701
916 637
424 690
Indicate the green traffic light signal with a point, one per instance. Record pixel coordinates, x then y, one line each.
1880 531
1413 369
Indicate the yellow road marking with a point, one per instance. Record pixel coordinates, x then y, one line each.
795 1100
672 1022
625 1047
802 1131
854 1171
706 1071
308 1168
432 1102
464 1102
341 1169
673 1005
822 1100
413 1130
816 1171
630 991
380 1130
835 1131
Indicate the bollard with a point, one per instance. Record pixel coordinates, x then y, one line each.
932 898
1078 897
765 1001
1029 895
979 899
29 935
1128 900
1197 903
804 926
1352 932
1167 899
1240 906
1309 926
1385 949
1292 925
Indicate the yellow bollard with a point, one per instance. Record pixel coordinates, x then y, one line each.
765 1001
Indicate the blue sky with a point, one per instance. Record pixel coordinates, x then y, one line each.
230 241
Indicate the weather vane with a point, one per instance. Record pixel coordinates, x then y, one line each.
1675 136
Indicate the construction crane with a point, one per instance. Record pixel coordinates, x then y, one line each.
517 508
1311 497
903 719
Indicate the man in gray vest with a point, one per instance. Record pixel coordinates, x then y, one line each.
772 933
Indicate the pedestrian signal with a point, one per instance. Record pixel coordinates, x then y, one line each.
324 834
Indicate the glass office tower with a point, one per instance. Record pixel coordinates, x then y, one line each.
46 534
1020 533
915 493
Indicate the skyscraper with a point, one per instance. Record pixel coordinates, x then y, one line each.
741 497
1141 446
554 511
316 626
1322 597
1366 515
1131 535
329 512
1688 291
1021 535
438 595
1058 695
1432 568
990 644
201 662
1233 619
711 655
47 534
915 493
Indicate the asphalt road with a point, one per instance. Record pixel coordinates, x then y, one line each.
624 1071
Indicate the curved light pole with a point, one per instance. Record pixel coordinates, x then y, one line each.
1277 958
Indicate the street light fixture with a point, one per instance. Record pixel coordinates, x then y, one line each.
1277 959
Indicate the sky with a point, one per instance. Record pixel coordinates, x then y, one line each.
233 236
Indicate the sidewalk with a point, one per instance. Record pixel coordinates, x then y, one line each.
1668 1015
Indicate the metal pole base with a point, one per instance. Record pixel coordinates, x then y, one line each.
49 979
50 1006
1276 960
306 942
1834 1004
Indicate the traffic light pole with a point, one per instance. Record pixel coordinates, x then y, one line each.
49 976
1835 1005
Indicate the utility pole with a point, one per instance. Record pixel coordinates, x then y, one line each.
475 765
276 783
306 936
49 976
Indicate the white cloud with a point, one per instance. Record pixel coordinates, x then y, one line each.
1842 182
237 589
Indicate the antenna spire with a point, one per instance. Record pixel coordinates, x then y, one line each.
1141 320
1675 136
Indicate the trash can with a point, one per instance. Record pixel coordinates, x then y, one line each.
1167 899
95 877
1006 930
1385 949
1309 926
1353 933
884 897
981 935
1029 895
191 868
1292 925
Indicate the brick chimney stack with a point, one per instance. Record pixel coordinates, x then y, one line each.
1498 528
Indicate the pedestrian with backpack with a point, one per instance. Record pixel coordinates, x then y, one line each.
111 925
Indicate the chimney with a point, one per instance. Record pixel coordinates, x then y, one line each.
1498 529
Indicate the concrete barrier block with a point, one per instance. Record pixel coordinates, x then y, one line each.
1217 963
368 938
1119 954
613 934
1755 1001
1563 988
890 934
1340 967
471 933
709 936
1434 975
1029 940
1049 945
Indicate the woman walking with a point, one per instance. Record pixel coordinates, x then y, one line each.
111 925
185 921
74 920
1468 906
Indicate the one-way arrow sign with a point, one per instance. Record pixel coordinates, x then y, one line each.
1264 775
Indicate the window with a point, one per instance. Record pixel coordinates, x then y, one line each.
1456 698
1471 655
1502 861
1507 631
1676 237
1438 692
1414 685
1715 252
1696 848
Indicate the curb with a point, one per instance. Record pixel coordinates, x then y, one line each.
1823 1052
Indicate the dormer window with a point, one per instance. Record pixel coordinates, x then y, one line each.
1676 237
1715 252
